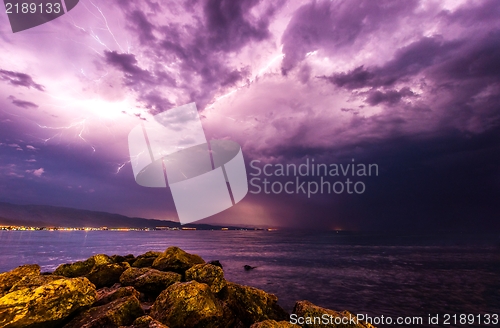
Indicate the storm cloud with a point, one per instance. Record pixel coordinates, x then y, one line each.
412 86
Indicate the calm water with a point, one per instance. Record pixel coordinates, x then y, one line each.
391 276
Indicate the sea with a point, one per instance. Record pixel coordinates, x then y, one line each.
389 275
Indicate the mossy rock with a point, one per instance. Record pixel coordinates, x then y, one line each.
252 305
120 312
34 281
190 305
82 268
273 324
146 259
307 309
106 275
47 305
149 281
10 278
107 295
147 322
208 274
130 258
216 263
176 260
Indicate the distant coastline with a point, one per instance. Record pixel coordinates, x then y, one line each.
44 217
213 228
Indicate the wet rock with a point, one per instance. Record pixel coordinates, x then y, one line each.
120 312
107 295
190 304
34 281
47 305
10 278
146 259
273 324
307 309
106 275
130 258
100 269
147 322
117 258
208 274
176 260
146 306
216 263
149 281
82 268
252 305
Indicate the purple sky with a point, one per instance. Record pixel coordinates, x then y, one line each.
413 86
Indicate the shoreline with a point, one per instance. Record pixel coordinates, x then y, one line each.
155 289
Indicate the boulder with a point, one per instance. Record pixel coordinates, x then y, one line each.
252 305
130 258
147 322
190 304
216 263
307 309
10 278
149 281
106 275
107 295
34 281
176 260
47 305
273 324
82 268
208 274
120 312
146 259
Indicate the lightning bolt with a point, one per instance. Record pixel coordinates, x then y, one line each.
91 32
80 124
132 158
259 73
82 71
96 37
312 53
263 70
120 166
107 26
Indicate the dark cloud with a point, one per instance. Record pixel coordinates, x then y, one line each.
143 81
355 79
390 97
230 26
459 79
22 103
407 62
155 102
200 49
226 27
70 171
138 21
19 79
434 133
128 65
349 110
332 26
479 58
439 183
472 14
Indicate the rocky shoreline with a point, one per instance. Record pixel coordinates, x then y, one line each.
171 289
